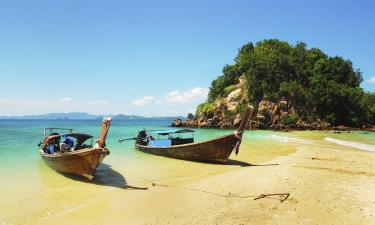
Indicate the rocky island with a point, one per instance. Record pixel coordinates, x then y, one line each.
291 87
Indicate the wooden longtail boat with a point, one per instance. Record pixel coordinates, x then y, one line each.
69 153
216 150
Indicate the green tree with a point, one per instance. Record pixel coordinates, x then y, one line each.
315 84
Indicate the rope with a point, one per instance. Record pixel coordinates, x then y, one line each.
281 196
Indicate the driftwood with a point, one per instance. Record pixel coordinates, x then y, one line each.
282 196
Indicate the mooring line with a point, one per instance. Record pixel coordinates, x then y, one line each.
281 196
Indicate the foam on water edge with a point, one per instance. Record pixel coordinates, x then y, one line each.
286 139
357 145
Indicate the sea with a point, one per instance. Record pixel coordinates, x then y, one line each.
31 191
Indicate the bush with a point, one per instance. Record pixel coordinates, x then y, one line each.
241 108
229 89
331 118
230 77
230 114
289 120
205 107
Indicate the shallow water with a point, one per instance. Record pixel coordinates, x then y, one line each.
31 191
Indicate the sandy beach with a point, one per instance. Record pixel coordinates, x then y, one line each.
266 110
327 183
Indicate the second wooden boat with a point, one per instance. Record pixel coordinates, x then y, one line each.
216 150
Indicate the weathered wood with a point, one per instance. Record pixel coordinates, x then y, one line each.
246 118
82 162
103 136
216 150
282 196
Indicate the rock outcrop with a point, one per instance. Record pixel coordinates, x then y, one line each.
270 115
226 113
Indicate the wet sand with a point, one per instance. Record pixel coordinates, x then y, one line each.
327 183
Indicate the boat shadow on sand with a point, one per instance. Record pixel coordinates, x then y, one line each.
233 162
106 176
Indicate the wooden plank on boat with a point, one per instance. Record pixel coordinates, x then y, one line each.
82 162
216 150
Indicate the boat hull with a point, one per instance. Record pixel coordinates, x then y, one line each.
82 163
217 150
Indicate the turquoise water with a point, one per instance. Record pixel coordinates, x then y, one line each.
19 139
31 190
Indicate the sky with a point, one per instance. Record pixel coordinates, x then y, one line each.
156 58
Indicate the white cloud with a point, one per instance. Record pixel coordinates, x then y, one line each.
191 95
196 94
371 80
172 103
173 93
143 101
68 100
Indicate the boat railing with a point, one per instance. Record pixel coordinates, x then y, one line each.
50 130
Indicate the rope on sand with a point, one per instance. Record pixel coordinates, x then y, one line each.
282 197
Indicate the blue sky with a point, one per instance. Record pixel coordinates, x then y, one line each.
156 58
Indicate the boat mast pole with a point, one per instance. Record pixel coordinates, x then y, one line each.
245 121
246 118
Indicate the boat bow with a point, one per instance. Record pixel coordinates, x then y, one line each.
100 143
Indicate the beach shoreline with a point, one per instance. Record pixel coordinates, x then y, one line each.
326 186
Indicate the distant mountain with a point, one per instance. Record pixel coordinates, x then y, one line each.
84 116
133 117
126 117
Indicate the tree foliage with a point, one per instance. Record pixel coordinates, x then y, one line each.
315 84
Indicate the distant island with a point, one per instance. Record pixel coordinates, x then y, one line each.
291 87
83 116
